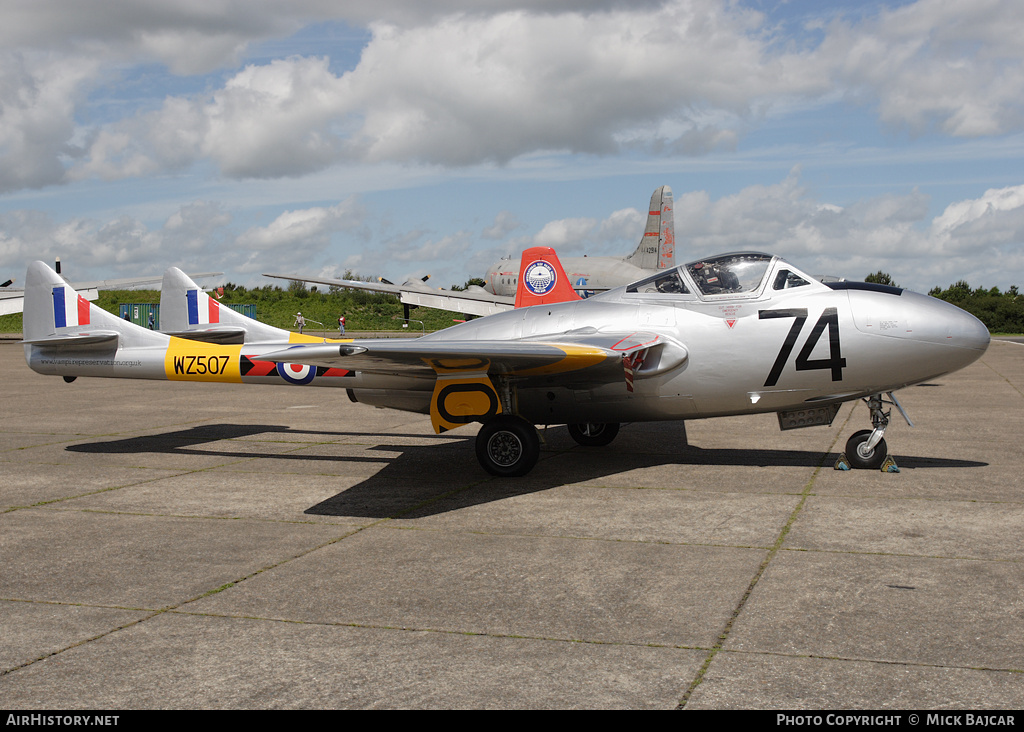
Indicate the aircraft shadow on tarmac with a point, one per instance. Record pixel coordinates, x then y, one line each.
426 479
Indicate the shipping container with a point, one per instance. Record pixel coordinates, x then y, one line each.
139 312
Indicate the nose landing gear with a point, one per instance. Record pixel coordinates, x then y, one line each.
866 449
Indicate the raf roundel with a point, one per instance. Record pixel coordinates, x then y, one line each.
296 373
539 277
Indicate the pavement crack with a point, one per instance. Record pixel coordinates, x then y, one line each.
772 552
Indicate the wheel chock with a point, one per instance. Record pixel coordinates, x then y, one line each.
842 463
890 466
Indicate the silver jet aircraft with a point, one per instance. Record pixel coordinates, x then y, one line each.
737 333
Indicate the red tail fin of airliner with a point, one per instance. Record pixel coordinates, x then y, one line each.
542 280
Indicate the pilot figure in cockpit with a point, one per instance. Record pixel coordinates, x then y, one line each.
714 279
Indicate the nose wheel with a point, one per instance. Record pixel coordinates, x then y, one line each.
866 449
861 454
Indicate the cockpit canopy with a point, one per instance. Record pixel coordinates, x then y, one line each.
738 273
729 273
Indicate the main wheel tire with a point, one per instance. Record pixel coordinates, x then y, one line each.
507 446
866 460
594 434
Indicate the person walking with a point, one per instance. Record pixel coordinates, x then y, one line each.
300 321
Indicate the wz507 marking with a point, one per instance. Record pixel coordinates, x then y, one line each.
200 365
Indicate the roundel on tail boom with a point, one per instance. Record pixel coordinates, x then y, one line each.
296 373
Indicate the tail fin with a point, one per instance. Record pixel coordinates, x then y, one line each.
542 279
188 312
58 316
657 248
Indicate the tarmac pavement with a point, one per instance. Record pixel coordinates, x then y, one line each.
199 546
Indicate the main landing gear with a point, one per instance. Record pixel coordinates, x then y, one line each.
594 434
866 449
507 446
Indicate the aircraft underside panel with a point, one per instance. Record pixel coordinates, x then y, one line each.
562 405
405 400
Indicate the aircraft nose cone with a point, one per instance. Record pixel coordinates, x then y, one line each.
936 321
978 336
966 331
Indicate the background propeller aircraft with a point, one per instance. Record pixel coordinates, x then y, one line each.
737 333
586 275
656 251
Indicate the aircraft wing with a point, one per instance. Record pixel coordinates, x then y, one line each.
72 341
459 301
471 302
603 356
409 356
352 284
125 283
12 299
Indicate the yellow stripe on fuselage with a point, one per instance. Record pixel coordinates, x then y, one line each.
187 360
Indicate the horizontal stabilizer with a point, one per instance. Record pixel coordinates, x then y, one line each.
228 335
76 340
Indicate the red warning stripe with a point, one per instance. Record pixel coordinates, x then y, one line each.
632 364
252 367
335 372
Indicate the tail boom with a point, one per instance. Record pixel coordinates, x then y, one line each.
65 335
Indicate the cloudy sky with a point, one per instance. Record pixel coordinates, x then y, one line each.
404 137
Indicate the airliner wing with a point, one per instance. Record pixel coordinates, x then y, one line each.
125 283
12 299
471 302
